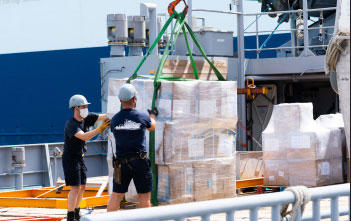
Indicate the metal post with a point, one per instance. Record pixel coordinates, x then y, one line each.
305 27
293 34
190 22
299 215
230 216
55 165
190 14
47 154
206 217
19 178
254 214
241 77
334 206
150 9
257 40
316 210
276 213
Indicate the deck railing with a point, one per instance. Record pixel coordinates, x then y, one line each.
230 206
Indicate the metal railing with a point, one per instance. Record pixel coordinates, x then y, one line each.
293 30
230 206
304 49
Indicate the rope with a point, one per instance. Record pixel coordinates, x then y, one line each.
335 48
302 196
248 133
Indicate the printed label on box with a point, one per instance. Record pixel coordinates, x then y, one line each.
165 108
271 144
113 105
280 173
196 147
225 144
325 171
208 108
300 142
271 178
181 107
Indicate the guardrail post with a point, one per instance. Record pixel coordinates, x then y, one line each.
254 214
230 216
257 40
316 210
276 213
305 27
293 34
334 206
206 217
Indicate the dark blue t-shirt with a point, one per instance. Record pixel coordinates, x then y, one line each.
129 127
73 144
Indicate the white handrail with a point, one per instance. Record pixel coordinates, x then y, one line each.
228 206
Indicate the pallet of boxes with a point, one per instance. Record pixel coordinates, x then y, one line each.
195 139
298 150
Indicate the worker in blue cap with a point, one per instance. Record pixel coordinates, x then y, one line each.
129 128
76 133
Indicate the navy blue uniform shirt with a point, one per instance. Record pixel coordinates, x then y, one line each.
73 144
129 128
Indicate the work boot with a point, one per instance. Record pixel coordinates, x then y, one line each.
70 216
77 214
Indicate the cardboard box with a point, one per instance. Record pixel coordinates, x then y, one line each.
274 147
276 173
214 179
197 181
185 106
217 100
175 183
315 173
198 141
292 117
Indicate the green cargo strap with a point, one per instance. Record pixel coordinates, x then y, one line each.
190 54
167 78
218 74
157 84
164 29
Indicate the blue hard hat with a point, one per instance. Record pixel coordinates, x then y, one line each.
127 92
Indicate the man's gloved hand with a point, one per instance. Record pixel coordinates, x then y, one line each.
154 111
105 124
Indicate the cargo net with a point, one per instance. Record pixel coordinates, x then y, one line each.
298 150
195 139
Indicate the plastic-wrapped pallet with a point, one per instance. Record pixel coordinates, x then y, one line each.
196 122
295 147
196 181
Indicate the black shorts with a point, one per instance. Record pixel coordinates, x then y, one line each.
74 169
138 170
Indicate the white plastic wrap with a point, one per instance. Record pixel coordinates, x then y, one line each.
294 140
196 130
196 181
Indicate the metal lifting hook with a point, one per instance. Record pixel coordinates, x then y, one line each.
172 5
